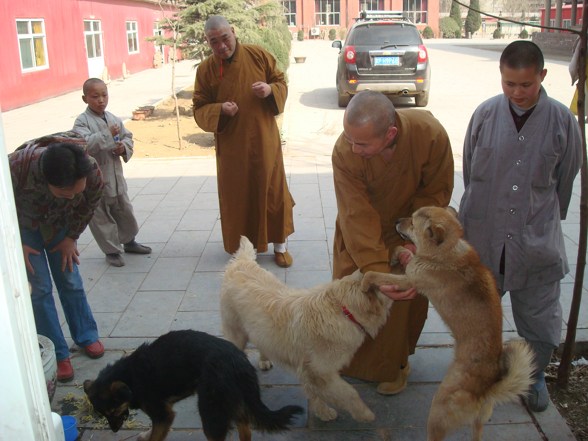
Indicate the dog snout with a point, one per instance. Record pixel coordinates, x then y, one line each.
399 230
116 422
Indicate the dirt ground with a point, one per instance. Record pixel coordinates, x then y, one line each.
572 403
157 137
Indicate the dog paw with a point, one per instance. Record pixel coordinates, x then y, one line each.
326 413
365 415
265 365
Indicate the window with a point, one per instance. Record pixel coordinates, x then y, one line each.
290 11
327 12
371 5
32 44
132 37
416 10
93 37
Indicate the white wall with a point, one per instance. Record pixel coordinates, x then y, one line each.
25 413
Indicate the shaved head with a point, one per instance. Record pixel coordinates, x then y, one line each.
91 82
216 22
369 107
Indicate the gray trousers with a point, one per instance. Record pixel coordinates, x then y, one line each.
114 223
538 318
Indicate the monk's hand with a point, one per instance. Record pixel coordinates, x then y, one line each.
261 89
69 253
119 149
229 108
395 293
27 251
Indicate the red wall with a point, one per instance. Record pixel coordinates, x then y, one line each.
350 11
66 53
566 13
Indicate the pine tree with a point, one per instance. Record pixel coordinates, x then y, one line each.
473 21
455 13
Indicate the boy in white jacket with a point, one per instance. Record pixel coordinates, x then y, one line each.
114 222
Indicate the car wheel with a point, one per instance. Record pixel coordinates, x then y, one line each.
422 100
343 99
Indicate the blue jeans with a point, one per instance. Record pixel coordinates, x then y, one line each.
70 288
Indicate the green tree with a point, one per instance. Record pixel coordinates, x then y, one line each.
255 21
473 20
448 27
428 32
455 14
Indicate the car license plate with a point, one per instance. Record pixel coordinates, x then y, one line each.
386 61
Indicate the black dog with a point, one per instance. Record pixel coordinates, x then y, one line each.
175 366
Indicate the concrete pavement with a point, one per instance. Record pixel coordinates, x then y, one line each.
176 287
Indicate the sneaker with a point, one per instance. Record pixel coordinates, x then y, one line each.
538 397
396 386
136 248
115 259
95 350
65 371
283 260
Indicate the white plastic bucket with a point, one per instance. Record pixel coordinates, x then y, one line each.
49 361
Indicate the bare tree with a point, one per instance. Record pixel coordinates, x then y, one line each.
170 24
511 8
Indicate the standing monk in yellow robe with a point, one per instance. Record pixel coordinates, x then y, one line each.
386 165
238 92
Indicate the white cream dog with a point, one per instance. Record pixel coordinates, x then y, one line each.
312 332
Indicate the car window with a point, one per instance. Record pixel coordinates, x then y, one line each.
381 34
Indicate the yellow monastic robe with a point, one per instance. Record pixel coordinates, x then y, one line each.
253 195
371 195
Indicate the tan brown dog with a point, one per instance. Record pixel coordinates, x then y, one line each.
312 332
447 270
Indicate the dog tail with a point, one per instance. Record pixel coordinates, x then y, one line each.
246 250
517 366
267 420
260 416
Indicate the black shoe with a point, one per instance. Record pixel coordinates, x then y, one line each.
136 248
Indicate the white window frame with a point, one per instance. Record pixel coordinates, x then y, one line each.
371 5
290 15
132 28
328 12
31 36
96 36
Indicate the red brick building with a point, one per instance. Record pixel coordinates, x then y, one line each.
317 17
50 47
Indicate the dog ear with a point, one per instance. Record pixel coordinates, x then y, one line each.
436 233
87 385
121 392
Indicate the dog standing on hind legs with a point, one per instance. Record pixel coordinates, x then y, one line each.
447 270
175 366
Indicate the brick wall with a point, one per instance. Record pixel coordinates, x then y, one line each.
552 43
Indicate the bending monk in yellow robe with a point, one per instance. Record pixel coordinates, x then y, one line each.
238 91
386 165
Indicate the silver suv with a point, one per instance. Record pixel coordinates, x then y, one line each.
383 51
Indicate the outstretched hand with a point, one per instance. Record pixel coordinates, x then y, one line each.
393 291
